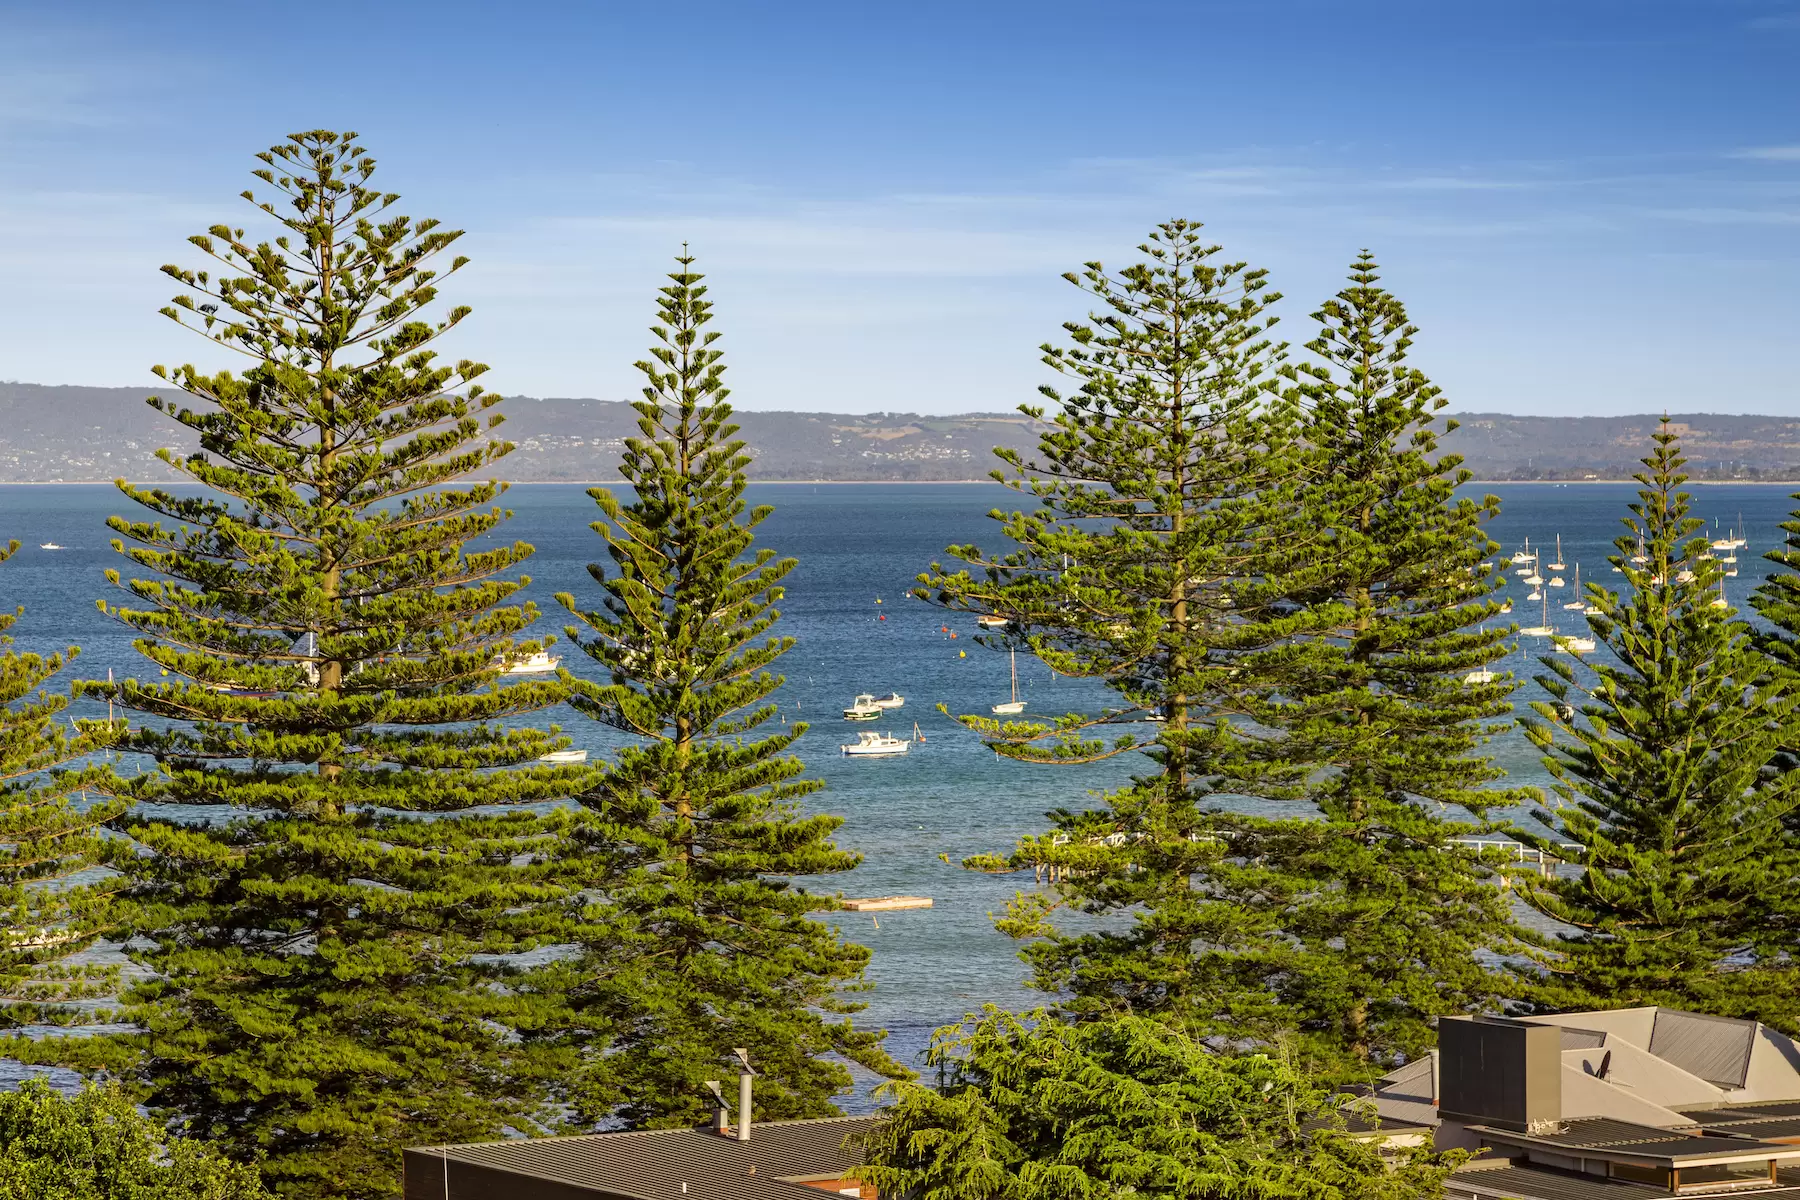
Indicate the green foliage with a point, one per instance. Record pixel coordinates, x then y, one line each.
1164 475
1665 755
1289 582
1031 1108
97 1146
54 900
698 944
326 871
1358 921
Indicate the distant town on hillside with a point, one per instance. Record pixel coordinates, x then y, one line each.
71 434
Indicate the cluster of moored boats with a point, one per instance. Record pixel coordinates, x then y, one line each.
1529 565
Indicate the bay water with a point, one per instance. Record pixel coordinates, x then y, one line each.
859 547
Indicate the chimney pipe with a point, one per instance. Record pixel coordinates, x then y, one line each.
721 1111
743 1125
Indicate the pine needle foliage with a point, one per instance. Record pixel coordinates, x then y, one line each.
1161 490
325 850
701 941
1028 1106
55 900
1359 919
1663 749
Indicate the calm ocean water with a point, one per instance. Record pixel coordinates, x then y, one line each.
859 546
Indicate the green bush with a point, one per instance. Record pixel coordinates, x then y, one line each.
98 1146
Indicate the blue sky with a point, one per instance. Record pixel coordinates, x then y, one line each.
1589 207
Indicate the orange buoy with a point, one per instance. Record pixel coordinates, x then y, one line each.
953 637
882 617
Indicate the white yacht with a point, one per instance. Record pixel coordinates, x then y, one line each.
890 700
1575 645
877 745
539 663
1477 677
864 709
1558 564
49 546
1578 602
1015 705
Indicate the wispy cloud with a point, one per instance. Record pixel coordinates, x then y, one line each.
1788 153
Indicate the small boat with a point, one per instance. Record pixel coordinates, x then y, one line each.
991 622
539 663
1575 645
1543 630
865 709
877 745
1592 610
227 689
1536 594
1577 602
1534 579
1684 576
1507 607
1556 581
1525 555
890 700
1477 677
564 756
1558 564
49 546
1524 570
1015 705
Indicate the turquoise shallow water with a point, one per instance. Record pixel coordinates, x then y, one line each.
858 544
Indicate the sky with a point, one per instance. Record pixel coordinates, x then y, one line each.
1588 207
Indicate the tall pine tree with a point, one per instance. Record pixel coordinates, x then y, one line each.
1152 561
1664 750
324 887
698 942
1359 918
55 900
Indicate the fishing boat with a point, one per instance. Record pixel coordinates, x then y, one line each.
1015 705
538 663
877 745
1577 602
992 622
864 709
564 756
49 546
1558 564
890 700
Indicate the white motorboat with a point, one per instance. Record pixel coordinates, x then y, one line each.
539 663
564 756
1556 581
1525 555
864 709
1014 706
877 745
991 622
1535 594
1575 645
49 546
890 700
1477 677
1534 579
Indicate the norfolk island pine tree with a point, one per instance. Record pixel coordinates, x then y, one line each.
55 900
1163 491
1665 752
334 868
695 940
1366 919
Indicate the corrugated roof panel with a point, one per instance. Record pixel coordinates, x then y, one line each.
1717 1049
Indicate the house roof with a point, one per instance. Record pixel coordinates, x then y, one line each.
1482 1182
670 1164
1717 1049
1606 1138
1778 1120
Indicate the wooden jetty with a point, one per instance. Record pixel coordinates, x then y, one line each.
887 903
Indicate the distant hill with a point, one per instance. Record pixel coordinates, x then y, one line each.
82 433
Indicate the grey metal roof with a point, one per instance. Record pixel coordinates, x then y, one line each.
1482 1182
1582 1039
1726 1114
1600 1135
656 1164
1717 1049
